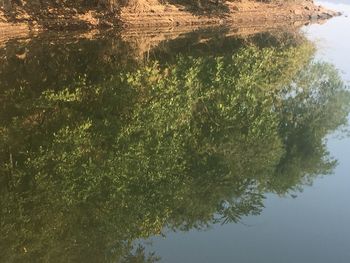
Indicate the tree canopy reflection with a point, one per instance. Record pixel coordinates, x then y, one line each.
88 165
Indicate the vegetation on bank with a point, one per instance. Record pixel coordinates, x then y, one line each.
115 5
39 15
98 149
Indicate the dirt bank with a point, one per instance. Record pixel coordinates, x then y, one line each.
243 12
21 22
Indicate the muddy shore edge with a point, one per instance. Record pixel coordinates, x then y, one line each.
236 14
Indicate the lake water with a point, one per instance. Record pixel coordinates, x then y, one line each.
213 146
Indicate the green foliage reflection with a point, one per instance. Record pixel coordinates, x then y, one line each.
91 166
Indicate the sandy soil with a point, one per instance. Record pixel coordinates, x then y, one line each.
244 14
236 13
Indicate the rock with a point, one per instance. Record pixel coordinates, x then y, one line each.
325 15
106 24
235 8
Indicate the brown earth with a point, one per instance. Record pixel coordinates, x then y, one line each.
167 17
244 12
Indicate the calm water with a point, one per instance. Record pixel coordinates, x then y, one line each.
208 147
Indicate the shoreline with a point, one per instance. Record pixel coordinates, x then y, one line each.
237 14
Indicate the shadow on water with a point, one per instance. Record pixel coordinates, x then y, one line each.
99 147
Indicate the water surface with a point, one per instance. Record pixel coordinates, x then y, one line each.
209 147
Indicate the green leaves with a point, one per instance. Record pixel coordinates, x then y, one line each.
91 164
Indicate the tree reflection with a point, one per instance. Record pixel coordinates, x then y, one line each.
90 164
